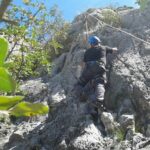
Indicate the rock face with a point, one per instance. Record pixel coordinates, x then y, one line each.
127 125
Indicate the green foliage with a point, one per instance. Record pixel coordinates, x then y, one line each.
7 83
138 125
11 103
41 32
3 50
111 17
26 1
28 109
143 3
120 134
7 102
2 119
32 62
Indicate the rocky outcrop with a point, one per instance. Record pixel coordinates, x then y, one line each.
127 125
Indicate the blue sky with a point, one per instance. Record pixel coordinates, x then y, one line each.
71 8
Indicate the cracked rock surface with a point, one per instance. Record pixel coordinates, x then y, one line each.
126 126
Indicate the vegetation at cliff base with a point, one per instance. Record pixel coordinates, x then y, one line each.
12 103
36 35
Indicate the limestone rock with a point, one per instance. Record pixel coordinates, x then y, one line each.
127 121
90 139
128 92
109 122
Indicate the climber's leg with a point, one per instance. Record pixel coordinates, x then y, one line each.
92 111
86 75
99 93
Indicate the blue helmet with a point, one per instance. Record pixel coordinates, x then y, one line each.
94 40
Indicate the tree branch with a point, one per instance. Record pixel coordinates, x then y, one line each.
9 21
11 51
3 7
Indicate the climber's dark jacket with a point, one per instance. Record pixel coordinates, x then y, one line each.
97 54
91 84
95 62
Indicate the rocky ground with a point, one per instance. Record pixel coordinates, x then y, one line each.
126 126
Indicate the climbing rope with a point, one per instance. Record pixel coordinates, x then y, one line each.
86 25
117 29
120 30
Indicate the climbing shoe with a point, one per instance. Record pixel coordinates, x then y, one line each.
100 105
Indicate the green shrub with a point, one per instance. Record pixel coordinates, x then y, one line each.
120 134
111 17
39 37
143 3
12 103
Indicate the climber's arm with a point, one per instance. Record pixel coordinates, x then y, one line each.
111 50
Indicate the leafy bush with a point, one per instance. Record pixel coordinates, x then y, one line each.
111 17
33 64
38 38
5 78
120 134
143 3
12 103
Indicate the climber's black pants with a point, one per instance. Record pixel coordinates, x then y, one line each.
95 95
93 81
93 78
92 70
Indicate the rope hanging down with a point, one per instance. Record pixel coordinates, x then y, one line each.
86 25
100 22
120 30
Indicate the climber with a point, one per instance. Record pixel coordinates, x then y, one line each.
93 76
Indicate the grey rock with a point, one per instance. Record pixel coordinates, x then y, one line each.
33 86
58 64
90 139
139 141
109 122
127 121
16 137
148 130
62 145
4 117
129 134
129 92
